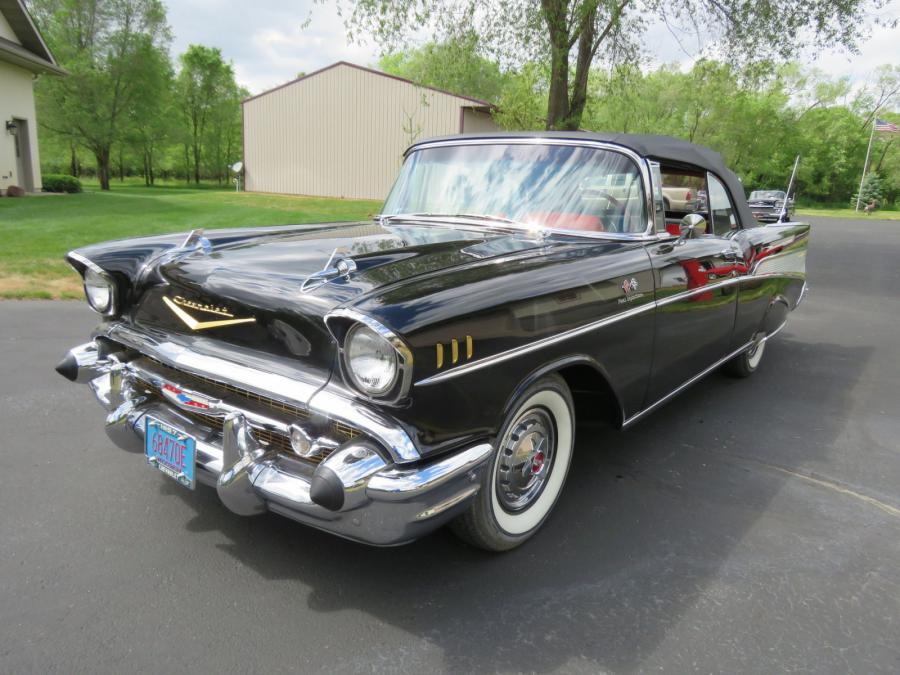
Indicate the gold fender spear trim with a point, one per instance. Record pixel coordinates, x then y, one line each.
193 324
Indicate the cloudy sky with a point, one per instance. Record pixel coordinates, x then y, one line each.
266 40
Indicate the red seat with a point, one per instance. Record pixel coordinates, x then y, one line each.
566 221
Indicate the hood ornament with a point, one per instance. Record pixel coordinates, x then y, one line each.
338 265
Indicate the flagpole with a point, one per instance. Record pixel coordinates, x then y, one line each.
866 163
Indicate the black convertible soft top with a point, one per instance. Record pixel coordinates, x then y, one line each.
664 149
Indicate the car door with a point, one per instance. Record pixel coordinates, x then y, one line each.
696 290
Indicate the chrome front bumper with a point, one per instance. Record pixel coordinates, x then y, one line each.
358 491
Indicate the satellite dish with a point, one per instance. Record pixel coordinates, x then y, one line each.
237 167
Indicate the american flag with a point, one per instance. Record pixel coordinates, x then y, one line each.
883 125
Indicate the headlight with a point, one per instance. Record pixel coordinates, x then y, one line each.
371 360
100 291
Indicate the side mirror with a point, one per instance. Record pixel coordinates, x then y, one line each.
691 225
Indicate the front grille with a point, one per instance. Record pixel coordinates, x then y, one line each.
275 440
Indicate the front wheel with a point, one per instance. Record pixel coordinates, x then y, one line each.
529 466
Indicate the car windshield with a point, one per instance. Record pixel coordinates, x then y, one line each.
767 194
561 187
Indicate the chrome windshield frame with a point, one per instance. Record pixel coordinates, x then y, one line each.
647 235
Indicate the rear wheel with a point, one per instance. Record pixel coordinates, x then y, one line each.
746 363
529 466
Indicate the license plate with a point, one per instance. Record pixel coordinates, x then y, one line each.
171 451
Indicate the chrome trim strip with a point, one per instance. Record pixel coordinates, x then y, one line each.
573 332
774 332
86 262
401 484
472 366
641 163
634 418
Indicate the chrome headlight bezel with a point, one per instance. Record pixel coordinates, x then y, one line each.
94 281
91 273
343 324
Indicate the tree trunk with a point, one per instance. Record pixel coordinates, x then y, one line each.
582 71
554 12
73 162
102 155
558 99
197 163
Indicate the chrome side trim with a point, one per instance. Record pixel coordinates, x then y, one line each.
634 418
574 332
774 332
472 366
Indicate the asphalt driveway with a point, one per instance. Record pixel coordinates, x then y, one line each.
748 526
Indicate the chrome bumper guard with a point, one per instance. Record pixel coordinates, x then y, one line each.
357 491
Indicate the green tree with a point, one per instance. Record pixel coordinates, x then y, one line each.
205 85
872 190
112 50
455 65
571 35
149 124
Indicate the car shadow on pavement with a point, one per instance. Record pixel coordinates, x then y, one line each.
647 520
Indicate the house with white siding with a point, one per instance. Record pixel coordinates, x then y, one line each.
23 58
342 130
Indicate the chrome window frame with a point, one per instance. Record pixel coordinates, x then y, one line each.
641 162
734 213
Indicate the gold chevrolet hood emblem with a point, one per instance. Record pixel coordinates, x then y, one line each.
192 323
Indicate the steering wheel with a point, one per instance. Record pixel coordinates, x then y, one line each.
613 203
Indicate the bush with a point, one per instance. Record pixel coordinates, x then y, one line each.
60 183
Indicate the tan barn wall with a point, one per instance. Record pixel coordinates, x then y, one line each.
17 101
341 132
478 121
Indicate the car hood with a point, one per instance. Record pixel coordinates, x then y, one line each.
260 280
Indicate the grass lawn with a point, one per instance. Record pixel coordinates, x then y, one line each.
848 213
38 231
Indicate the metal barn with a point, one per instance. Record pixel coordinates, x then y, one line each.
341 131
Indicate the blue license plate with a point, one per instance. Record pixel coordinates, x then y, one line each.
171 451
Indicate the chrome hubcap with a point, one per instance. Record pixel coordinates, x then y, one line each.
526 457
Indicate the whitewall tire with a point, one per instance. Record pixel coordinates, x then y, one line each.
746 363
527 471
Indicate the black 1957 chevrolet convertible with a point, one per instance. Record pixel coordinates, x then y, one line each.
380 379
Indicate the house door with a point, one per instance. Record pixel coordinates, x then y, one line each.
24 177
